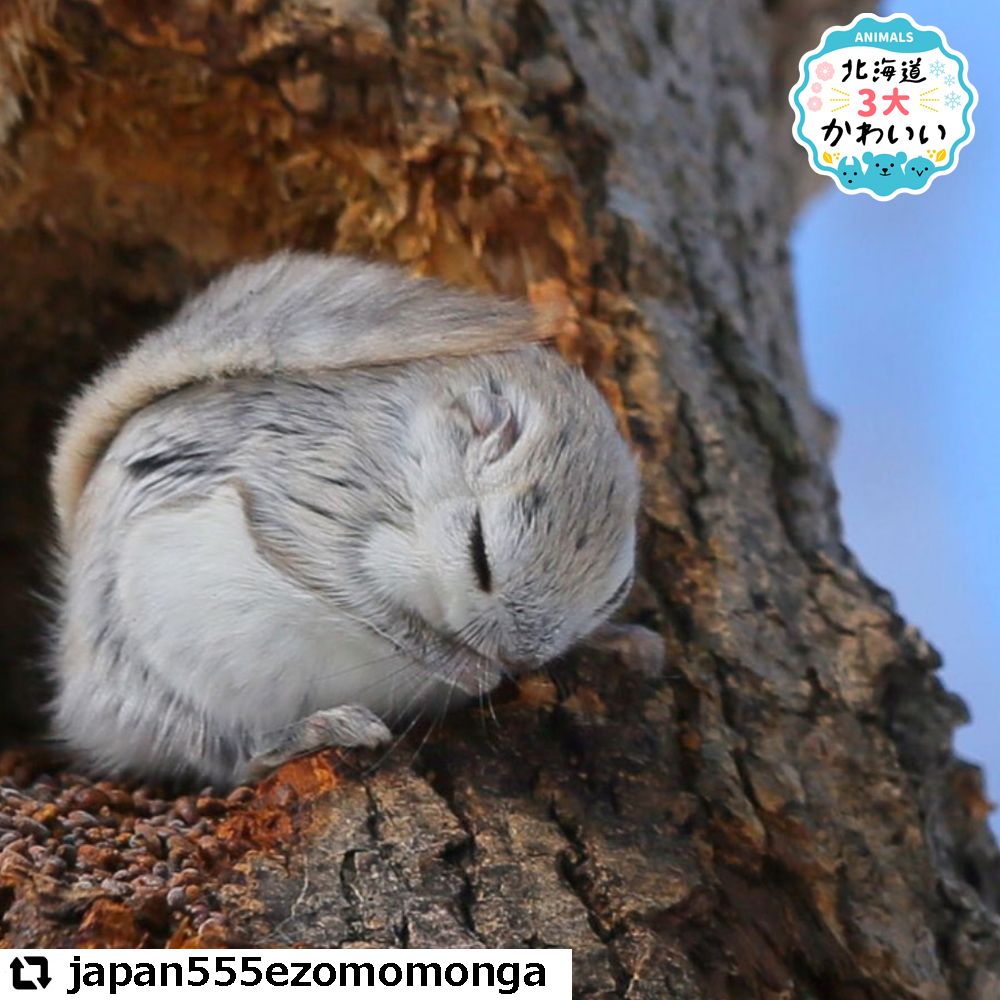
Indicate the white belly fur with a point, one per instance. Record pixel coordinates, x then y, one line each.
250 645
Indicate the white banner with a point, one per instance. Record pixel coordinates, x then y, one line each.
536 974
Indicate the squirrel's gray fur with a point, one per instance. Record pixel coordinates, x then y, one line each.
325 495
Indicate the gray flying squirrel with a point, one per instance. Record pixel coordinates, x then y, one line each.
324 497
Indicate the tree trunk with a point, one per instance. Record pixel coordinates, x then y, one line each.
778 812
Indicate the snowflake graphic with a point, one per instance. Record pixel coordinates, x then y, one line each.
937 67
952 101
949 80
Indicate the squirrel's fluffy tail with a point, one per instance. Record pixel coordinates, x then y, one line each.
293 313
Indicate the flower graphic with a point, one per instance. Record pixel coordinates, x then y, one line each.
952 101
814 104
816 88
825 71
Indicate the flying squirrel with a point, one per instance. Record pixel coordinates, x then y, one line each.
324 497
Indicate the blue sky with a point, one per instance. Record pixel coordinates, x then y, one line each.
899 305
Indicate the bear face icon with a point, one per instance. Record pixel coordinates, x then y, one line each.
885 171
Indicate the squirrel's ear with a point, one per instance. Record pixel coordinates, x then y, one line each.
492 420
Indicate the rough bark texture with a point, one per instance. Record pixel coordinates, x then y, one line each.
779 814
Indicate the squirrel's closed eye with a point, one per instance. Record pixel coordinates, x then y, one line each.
477 550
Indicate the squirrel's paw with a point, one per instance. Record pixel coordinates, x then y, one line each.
344 726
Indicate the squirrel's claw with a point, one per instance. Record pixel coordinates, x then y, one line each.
344 726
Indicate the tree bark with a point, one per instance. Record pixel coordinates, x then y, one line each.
778 812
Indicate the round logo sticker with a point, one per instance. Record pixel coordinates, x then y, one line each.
883 106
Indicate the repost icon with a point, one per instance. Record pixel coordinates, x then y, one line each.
31 973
